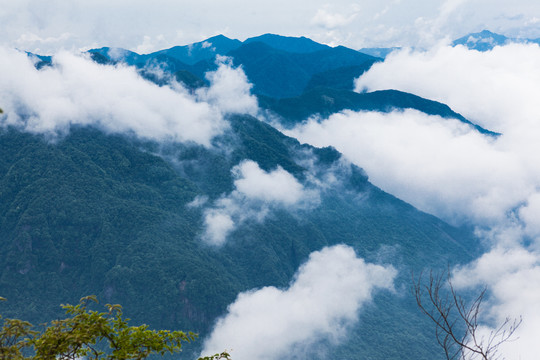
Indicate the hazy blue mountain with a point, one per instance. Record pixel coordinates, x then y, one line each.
190 81
288 43
40 60
260 60
487 40
280 74
187 55
295 64
326 101
102 214
204 50
341 78
118 55
101 59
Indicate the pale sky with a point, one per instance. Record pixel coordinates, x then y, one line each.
145 26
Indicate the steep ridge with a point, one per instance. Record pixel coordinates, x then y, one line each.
291 72
325 102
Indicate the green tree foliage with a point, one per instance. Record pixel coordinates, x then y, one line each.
90 334
14 337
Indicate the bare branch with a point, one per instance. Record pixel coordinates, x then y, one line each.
456 323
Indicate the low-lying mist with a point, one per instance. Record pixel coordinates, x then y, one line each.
449 169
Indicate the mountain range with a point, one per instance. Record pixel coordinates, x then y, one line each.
120 217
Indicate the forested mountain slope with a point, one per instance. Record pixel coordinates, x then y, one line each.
105 214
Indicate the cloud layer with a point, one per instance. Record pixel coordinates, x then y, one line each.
425 160
75 90
447 168
323 299
441 165
256 193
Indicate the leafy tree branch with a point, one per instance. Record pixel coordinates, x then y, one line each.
86 333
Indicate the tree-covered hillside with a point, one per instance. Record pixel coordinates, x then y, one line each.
92 213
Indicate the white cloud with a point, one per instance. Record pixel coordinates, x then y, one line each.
497 89
255 183
78 91
31 39
451 170
442 166
322 301
230 90
151 44
256 193
218 225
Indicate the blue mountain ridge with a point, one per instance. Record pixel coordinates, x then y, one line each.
302 73
324 102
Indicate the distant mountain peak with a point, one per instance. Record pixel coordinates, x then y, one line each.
220 37
221 41
486 40
202 50
288 43
482 41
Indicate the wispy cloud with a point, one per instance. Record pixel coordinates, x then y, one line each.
256 193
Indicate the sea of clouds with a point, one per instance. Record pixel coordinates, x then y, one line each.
447 168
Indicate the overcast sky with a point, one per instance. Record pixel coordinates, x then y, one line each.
145 26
